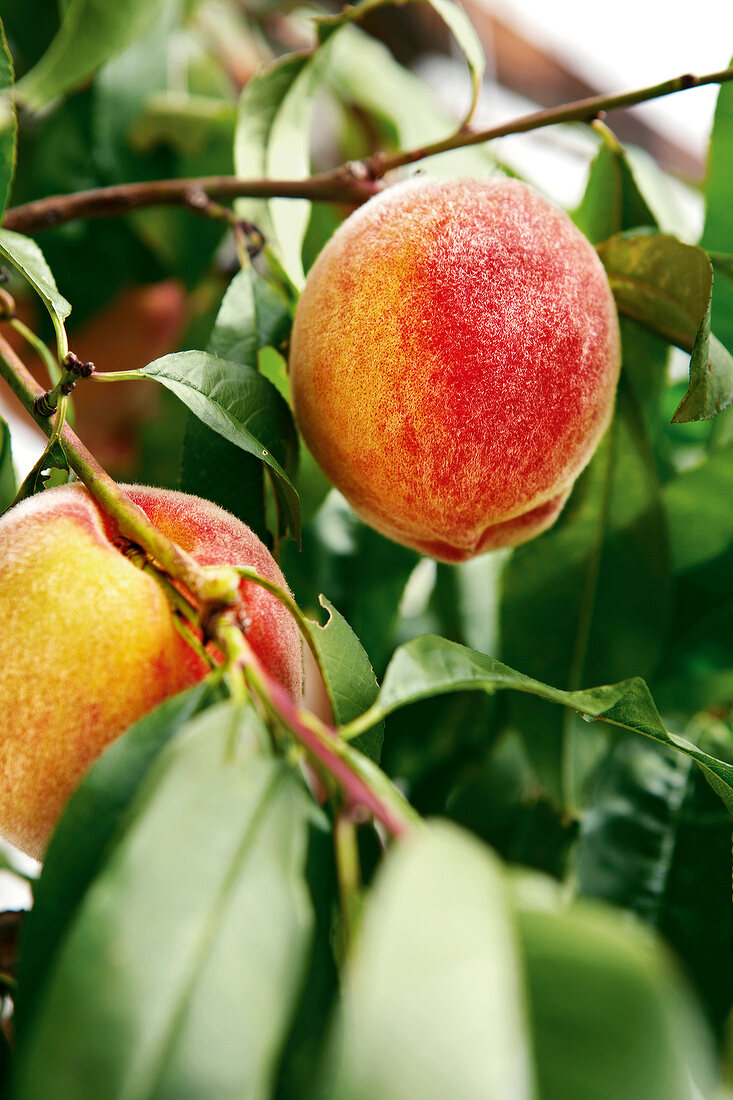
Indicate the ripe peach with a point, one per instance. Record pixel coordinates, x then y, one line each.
454 361
88 643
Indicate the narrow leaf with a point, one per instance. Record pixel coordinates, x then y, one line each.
433 1004
180 973
430 666
236 402
24 254
8 122
91 31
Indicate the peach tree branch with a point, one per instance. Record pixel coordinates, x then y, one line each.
353 183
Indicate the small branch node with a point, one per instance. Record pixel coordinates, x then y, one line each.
7 305
76 366
45 405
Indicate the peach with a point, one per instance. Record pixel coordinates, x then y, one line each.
89 645
454 362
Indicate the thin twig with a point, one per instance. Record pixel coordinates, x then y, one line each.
351 183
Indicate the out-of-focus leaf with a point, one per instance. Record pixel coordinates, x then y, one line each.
53 459
186 122
609 1015
665 284
432 1004
362 71
454 18
83 838
349 677
612 200
238 404
8 484
180 973
656 840
699 513
718 230
589 600
91 31
24 253
8 122
723 262
430 666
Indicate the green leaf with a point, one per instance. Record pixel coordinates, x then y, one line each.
718 231
722 262
273 139
711 378
180 973
609 1015
589 601
698 509
430 666
251 316
83 839
656 841
53 458
238 404
91 31
433 1003
183 121
612 200
659 282
8 122
665 284
454 18
349 677
8 484
24 254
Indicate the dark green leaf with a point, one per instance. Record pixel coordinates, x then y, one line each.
656 841
53 458
8 123
609 1014
83 837
612 201
348 676
433 1004
252 316
8 484
91 31
699 514
180 973
431 666
454 18
237 403
25 254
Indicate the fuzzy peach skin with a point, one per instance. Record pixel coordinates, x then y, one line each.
454 362
88 643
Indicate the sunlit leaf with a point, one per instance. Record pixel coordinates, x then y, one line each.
24 254
8 122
